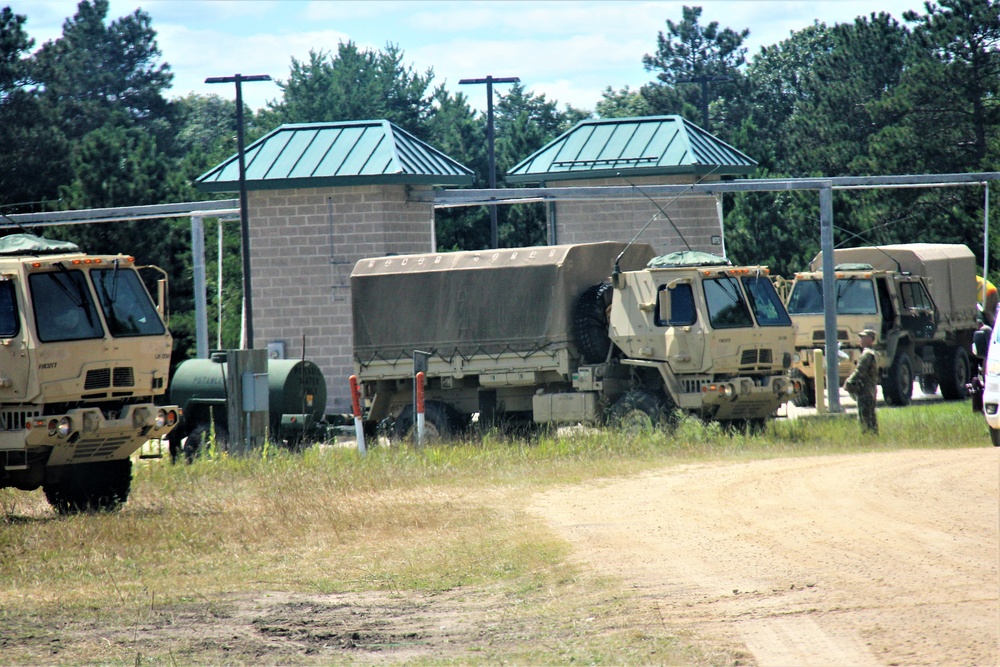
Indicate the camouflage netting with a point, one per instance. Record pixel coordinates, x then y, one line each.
687 258
29 244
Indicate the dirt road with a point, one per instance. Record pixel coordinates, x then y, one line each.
868 559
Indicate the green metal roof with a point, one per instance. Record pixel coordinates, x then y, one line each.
649 146
313 155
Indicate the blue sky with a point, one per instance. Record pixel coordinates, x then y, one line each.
568 50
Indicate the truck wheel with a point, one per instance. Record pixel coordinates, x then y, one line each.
954 374
807 397
590 323
439 424
639 412
897 387
928 384
995 436
87 487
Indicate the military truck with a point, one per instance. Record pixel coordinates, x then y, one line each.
583 333
919 298
84 354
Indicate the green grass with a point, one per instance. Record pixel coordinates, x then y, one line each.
398 521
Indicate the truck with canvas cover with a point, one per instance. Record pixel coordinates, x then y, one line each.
542 335
85 356
919 298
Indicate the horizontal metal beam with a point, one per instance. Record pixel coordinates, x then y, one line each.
451 198
217 208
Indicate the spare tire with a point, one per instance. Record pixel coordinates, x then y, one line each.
590 323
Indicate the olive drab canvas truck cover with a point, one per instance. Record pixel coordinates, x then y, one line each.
475 303
84 358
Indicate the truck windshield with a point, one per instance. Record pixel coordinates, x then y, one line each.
64 309
8 310
764 302
855 296
726 306
127 307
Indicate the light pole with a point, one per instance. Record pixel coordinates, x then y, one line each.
244 219
704 80
489 81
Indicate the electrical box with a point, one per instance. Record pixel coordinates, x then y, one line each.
255 396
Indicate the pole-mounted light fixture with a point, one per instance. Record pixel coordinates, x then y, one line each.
238 79
489 81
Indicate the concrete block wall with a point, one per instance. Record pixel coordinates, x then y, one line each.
304 244
587 221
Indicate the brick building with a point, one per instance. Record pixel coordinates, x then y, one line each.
323 195
320 197
655 150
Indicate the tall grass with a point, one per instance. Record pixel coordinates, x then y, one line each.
397 520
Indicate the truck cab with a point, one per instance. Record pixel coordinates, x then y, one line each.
84 356
918 298
717 335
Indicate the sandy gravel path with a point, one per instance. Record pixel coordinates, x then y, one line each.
868 559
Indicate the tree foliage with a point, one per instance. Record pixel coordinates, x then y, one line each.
85 121
694 64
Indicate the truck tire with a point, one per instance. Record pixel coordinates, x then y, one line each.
995 436
953 374
639 411
897 387
590 323
439 424
85 487
807 397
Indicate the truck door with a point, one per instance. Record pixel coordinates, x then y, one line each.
15 362
886 307
677 314
917 315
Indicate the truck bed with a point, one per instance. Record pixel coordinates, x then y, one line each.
489 310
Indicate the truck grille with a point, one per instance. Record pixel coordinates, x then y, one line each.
101 378
99 447
820 336
14 420
755 357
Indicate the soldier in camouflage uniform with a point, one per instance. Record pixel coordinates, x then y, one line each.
863 382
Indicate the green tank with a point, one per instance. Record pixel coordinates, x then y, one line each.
296 397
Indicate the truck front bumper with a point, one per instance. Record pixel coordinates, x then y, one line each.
87 434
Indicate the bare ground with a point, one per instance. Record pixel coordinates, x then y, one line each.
854 560
870 559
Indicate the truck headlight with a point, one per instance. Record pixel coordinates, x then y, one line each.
728 390
797 358
161 419
65 427
139 417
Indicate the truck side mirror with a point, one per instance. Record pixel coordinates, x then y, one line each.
981 342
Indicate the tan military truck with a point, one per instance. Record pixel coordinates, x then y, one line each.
84 353
542 335
919 298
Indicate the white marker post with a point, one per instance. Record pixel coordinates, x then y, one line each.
420 408
359 428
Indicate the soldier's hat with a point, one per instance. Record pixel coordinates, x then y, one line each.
867 332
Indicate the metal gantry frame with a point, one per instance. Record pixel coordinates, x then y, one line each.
825 186
230 208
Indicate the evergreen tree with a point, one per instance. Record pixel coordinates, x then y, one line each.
624 103
688 54
354 84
